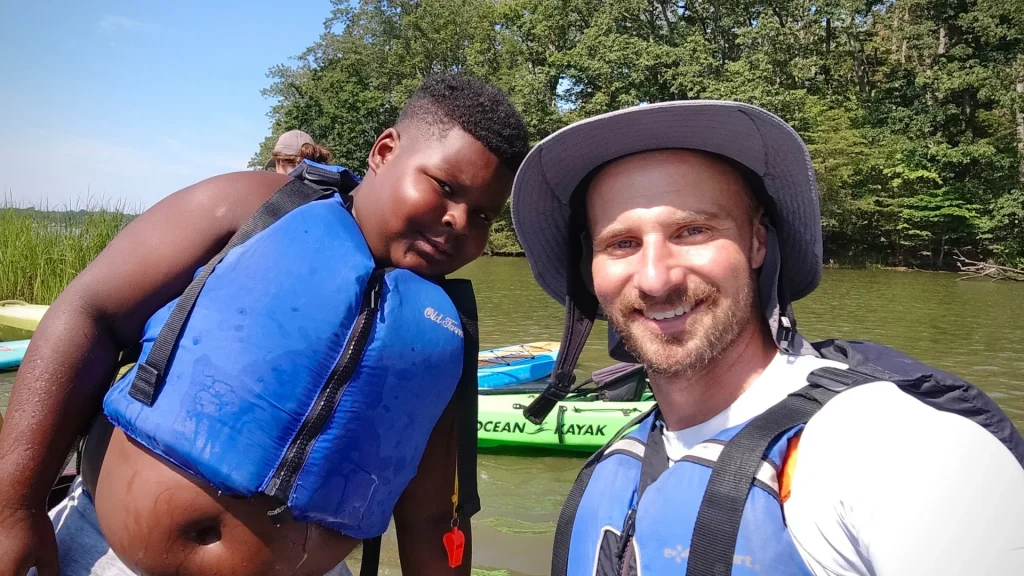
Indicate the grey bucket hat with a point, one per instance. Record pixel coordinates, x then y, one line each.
543 200
747 134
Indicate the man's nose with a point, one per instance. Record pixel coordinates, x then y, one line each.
659 271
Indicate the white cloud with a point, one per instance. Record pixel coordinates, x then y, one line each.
113 23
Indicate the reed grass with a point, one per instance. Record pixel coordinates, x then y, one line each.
41 251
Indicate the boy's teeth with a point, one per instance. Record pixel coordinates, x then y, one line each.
667 314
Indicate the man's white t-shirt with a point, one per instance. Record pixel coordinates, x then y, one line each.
885 485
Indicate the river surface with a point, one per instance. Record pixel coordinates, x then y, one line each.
974 329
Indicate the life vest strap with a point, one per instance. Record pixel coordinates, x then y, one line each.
628 446
567 516
707 454
371 557
716 528
462 295
150 372
655 461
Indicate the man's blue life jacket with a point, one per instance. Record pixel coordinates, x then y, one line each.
719 510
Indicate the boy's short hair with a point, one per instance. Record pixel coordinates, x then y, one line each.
446 101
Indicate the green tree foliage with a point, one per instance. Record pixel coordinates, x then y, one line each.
913 109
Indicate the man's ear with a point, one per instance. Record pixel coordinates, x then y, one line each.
759 241
383 149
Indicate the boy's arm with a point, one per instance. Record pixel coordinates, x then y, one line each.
71 360
423 514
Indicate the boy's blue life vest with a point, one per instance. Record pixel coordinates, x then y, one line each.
295 367
718 511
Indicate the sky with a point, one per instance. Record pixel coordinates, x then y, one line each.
121 102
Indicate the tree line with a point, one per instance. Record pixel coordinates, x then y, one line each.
913 109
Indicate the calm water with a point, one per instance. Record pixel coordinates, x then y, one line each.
975 329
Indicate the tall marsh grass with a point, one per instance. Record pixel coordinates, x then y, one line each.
41 251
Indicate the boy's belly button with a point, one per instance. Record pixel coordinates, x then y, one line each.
159 521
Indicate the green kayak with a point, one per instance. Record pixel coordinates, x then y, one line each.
583 422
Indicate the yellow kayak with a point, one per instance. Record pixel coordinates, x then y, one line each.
18 320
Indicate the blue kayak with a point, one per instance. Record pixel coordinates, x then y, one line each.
516 364
496 368
11 353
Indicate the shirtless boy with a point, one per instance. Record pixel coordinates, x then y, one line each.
435 181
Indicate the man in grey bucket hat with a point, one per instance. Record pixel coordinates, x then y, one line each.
692 227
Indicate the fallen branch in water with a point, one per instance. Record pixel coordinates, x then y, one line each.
974 269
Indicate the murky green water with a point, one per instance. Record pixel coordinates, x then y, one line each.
975 329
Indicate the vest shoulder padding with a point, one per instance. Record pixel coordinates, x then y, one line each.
937 388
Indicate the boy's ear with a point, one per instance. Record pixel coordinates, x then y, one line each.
385 146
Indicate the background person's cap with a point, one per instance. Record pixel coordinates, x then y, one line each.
749 135
289 144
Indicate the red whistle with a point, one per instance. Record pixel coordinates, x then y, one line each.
455 544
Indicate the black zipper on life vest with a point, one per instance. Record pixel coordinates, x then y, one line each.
282 482
628 528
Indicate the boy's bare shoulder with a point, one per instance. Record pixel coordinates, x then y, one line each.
236 195
153 259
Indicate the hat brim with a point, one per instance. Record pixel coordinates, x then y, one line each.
749 135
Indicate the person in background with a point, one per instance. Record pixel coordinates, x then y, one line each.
293 147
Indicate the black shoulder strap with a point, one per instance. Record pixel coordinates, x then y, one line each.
718 521
151 372
462 295
371 557
655 461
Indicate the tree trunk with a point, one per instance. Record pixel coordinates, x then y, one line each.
859 60
900 34
828 52
828 36
942 39
1020 122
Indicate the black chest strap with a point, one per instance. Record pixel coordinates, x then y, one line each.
150 373
717 527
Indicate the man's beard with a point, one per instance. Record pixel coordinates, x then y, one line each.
717 326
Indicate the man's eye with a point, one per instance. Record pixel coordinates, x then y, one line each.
623 244
694 230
